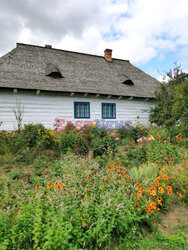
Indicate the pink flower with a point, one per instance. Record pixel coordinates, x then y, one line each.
139 140
169 137
112 134
177 137
149 139
144 138
116 139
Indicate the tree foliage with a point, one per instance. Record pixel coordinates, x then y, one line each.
171 103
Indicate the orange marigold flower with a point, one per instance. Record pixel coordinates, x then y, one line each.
138 197
148 209
162 170
157 184
136 205
160 190
152 188
180 195
153 205
167 178
169 192
153 193
163 184
158 209
37 187
169 188
159 199
59 186
139 193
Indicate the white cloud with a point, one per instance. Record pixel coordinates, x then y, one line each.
138 30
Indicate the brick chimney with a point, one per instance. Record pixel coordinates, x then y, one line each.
108 55
48 46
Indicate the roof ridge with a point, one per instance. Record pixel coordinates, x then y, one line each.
69 51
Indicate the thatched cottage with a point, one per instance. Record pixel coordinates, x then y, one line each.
58 85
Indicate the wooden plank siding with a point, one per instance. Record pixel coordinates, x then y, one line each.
46 107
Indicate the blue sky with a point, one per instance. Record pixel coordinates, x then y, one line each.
152 34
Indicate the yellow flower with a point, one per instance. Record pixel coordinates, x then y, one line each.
153 193
94 124
160 190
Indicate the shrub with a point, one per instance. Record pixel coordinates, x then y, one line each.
161 152
68 140
125 131
6 142
50 140
179 180
81 147
155 150
31 135
137 131
105 145
143 172
136 156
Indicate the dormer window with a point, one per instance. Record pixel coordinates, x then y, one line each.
55 75
128 82
125 80
53 71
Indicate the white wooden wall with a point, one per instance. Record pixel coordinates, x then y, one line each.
46 107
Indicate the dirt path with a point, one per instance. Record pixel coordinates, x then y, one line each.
177 217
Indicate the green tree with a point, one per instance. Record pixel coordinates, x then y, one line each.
180 107
171 101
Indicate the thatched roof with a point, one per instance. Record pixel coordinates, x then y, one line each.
44 68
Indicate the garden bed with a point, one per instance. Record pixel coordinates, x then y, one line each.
54 195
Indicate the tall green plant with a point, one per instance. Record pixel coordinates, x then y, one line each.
171 101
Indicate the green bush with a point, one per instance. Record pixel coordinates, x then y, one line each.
32 134
138 131
81 146
150 149
6 142
179 180
105 145
68 140
161 152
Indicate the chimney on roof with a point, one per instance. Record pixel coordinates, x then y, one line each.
108 55
48 46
